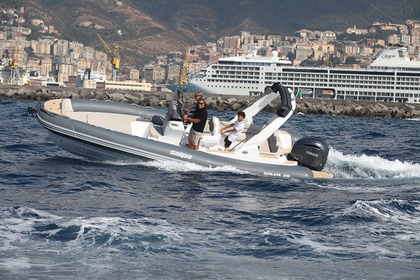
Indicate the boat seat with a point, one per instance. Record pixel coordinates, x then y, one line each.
280 143
273 144
66 106
252 129
156 128
158 120
207 128
248 132
284 142
214 125
155 131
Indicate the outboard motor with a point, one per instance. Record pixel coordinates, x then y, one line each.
311 152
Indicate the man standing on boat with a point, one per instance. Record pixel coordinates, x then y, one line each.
199 121
197 95
235 129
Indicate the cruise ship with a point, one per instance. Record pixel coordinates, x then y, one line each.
392 77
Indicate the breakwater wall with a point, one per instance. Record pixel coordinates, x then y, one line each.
227 103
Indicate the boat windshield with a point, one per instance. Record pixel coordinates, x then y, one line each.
176 107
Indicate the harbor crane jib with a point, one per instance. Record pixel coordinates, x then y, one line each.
183 76
15 77
114 56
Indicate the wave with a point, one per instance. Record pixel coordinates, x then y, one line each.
369 167
369 229
366 229
395 211
25 223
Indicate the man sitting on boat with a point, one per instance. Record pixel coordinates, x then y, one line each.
235 129
199 121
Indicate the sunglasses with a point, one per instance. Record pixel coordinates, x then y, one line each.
201 103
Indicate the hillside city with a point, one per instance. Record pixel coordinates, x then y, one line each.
50 58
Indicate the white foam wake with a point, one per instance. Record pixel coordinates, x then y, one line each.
170 166
375 167
187 167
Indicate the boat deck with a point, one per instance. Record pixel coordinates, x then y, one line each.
115 122
132 125
118 122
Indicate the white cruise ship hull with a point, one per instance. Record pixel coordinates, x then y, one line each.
391 78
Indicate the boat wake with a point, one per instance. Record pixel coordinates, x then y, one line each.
343 166
169 166
187 167
369 167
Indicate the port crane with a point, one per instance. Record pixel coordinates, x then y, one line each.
15 77
183 76
113 55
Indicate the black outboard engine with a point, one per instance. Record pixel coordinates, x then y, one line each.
311 152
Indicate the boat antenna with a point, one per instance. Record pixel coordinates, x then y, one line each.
180 104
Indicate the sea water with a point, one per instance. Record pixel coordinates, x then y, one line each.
65 217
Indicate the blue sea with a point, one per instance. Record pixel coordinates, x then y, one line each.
65 217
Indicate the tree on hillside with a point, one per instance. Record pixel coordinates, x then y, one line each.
291 56
350 60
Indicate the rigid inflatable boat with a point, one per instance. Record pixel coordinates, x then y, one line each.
112 131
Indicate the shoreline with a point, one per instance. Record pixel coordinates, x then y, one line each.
219 102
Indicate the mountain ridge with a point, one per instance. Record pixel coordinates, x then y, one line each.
159 26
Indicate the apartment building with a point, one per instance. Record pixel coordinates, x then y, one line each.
154 73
